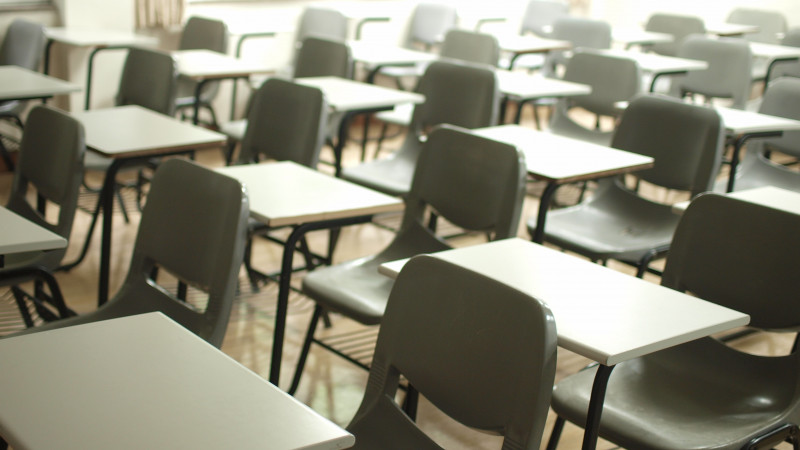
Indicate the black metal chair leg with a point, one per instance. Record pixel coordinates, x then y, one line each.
555 435
301 362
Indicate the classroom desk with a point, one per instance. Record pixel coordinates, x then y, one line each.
96 38
131 134
519 45
771 196
559 160
775 54
725 29
523 87
629 37
285 193
658 65
375 56
607 316
145 382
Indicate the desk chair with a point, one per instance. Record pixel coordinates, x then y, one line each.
483 353
475 183
208 34
23 45
729 70
782 99
50 164
458 94
193 227
704 394
612 78
618 223
678 25
321 23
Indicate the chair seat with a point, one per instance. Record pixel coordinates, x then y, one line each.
404 71
400 115
723 396
234 129
757 172
613 224
566 127
390 175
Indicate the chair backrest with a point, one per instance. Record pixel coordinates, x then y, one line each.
428 24
500 378
286 121
688 160
318 57
771 24
204 33
679 26
194 226
788 69
23 45
740 255
582 33
613 79
475 183
50 161
149 79
782 99
729 69
470 46
322 23
540 15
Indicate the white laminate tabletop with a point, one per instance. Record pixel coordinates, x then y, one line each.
18 83
145 382
21 235
530 44
773 51
771 196
657 64
379 54
129 131
97 37
638 36
607 316
738 121
285 193
348 95
561 159
526 86
730 29
207 64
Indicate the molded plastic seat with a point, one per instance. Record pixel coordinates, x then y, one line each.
183 197
704 394
612 78
475 183
679 26
728 74
435 307
457 94
617 223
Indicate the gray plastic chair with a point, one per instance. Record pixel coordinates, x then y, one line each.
321 23
771 24
787 69
612 78
51 165
184 196
679 26
728 74
704 394
617 223
475 183
540 15
201 33
457 94
23 45
781 99
500 379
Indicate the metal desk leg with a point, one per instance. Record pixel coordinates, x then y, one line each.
599 386
544 205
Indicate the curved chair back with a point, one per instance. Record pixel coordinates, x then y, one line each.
318 57
500 380
203 33
50 161
582 33
23 45
464 45
149 79
782 100
720 239
286 121
428 24
613 79
679 26
540 15
728 74
688 160
322 23
771 24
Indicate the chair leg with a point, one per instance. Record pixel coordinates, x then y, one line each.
381 137
301 362
411 402
555 435
641 268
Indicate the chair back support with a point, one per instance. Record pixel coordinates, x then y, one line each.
771 24
464 45
429 23
202 33
782 99
23 45
613 79
322 23
473 182
728 74
688 160
149 79
319 57
51 161
286 121
679 26
482 352
540 15
740 255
